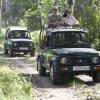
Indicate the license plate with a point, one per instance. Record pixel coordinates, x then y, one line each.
81 68
23 48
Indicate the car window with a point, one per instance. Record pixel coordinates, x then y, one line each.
19 34
64 38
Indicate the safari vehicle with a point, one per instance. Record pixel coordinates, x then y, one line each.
66 52
18 39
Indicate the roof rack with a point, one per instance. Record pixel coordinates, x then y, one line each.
17 28
64 28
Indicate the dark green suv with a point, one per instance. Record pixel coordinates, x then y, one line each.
66 52
18 39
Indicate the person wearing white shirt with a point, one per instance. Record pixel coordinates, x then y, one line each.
69 19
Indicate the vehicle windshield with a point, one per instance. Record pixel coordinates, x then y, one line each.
69 39
19 34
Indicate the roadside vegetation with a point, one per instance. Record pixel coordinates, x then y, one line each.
12 85
35 37
2 34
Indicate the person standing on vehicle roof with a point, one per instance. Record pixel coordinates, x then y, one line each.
54 19
69 19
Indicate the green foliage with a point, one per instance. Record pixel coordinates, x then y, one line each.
2 60
96 44
35 37
12 86
33 13
2 34
32 19
14 11
87 12
36 16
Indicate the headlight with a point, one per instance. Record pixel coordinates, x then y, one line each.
15 44
64 60
31 44
95 60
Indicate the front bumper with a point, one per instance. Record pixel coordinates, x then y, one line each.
23 49
82 69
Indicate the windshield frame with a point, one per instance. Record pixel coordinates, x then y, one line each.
86 42
24 34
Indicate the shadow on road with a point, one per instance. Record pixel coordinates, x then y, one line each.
15 55
45 82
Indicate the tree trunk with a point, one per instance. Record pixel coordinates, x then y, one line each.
71 5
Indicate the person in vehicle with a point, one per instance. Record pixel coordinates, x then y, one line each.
69 19
54 19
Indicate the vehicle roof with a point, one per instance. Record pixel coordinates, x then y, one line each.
11 28
50 30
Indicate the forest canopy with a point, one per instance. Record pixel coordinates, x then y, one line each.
32 13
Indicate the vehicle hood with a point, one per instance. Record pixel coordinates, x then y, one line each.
75 51
22 40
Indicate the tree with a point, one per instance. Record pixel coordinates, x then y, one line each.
87 13
33 13
13 10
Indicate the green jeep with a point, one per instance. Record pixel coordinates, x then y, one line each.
18 39
66 52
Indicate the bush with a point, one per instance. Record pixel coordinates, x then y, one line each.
13 87
96 44
35 37
2 60
2 33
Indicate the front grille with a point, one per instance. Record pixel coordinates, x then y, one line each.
22 44
78 60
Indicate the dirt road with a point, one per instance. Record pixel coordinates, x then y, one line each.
42 86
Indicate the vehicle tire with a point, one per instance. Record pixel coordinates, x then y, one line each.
32 53
5 51
68 77
11 53
96 76
55 77
41 69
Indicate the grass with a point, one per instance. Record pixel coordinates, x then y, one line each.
12 85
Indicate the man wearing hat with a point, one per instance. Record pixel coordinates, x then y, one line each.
55 18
